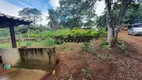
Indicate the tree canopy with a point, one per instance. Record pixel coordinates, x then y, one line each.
74 13
32 14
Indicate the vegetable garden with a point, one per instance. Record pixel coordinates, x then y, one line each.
54 37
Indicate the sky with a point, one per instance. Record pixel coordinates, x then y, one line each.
11 7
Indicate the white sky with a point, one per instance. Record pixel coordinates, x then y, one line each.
10 9
100 7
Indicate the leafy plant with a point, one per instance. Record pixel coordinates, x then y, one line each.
49 42
86 73
106 46
122 46
70 77
103 42
80 32
87 47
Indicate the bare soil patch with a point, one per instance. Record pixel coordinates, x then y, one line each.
72 62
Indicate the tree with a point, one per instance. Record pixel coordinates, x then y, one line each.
53 18
133 14
74 13
101 21
115 11
32 14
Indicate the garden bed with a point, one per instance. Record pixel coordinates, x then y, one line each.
77 39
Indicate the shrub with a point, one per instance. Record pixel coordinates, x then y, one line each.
87 47
79 32
103 42
49 33
49 42
28 43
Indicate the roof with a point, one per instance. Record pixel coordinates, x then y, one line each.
7 20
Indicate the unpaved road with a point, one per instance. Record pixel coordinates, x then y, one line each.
135 41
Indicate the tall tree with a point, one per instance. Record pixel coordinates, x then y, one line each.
53 18
32 14
101 21
133 14
75 13
115 10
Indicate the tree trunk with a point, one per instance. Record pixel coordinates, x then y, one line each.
110 36
113 32
122 12
116 33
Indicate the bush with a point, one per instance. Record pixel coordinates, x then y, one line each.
103 42
80 32
49 42
28 43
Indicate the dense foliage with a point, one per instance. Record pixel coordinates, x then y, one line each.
32 14
72 13
80 32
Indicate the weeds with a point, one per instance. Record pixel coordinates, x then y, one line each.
87 47
105 56
49 42
70 77
86 73
67 76
123 48
104 44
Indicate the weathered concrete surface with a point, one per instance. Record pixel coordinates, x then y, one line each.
10 56
22 74
30 58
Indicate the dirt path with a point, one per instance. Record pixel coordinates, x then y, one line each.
135 41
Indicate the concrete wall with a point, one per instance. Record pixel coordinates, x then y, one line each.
10 56
30 58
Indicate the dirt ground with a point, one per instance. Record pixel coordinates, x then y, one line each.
110 64
135 41
115 66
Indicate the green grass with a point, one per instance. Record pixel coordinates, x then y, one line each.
5 45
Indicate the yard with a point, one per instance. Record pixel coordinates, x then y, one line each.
95 60
70 40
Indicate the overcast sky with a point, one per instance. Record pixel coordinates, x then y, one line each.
11 7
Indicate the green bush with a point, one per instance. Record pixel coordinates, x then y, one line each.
49 33
49 42
80 32
103 42
28 43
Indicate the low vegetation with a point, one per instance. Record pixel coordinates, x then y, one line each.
46 37
86 74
